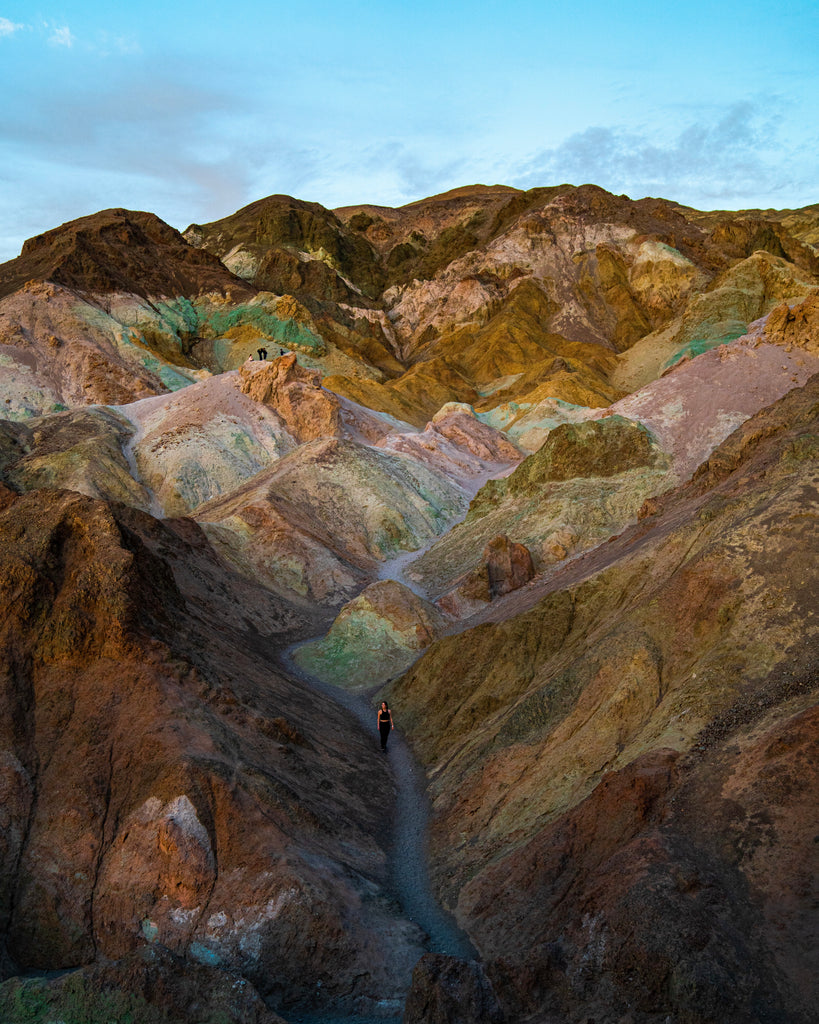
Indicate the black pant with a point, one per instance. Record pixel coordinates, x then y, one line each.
384 729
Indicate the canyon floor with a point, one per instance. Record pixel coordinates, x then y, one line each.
541 470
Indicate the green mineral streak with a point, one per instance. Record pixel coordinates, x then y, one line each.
240 442
216 322
182 314
170 332
697 346
204 955
502 415
364 650
516 418
72 1002
172 378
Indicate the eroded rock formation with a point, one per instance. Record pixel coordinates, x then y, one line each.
549 454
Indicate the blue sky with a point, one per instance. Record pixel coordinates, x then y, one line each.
192 110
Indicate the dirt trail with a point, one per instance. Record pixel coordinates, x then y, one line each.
408 853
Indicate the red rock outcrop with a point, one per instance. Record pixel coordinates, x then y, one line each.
465 431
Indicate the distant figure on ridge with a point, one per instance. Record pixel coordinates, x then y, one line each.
385 724
262 353
281 351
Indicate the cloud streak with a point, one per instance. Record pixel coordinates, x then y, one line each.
172 143
8 28
61 36
732 156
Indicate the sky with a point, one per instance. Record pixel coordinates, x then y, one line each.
192 110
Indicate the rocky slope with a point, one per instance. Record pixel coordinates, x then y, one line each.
603 764
163 785
545 463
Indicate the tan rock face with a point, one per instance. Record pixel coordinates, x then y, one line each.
458 444
81 451
40 377
724 311
797 325
586 482
347 504
279 551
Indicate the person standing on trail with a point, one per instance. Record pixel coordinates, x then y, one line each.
385 724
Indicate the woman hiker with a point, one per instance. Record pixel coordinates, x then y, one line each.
384 724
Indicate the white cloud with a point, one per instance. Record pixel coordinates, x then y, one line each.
61 36
7 27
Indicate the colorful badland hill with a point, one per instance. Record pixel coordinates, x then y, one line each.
539 467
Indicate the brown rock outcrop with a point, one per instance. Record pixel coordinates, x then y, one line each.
284 236
796 325
120 251
470 593
150 985
508 564
447 990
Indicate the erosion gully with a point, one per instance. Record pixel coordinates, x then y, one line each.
408 855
